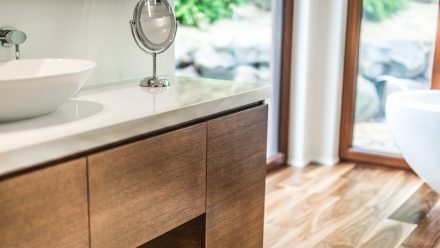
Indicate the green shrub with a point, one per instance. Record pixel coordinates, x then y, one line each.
195 12
379 10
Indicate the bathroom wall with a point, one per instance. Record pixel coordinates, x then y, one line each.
97 30
317 69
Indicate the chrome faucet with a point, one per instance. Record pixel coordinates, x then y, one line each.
10 36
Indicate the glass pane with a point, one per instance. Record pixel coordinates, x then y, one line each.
232 40
396 53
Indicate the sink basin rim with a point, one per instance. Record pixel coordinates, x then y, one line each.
86 65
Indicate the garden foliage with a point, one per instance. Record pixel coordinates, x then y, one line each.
196 12
379 10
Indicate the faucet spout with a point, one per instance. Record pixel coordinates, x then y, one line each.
17 52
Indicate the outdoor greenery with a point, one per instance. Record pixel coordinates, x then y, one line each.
196 12
379 10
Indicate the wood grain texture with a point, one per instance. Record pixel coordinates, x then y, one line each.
415 209
277 161
436 66
286 77
427 234
236 179
350 74
188 235
346 151
347 205
144 189
47 208
388 234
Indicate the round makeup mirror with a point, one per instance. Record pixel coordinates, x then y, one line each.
154 28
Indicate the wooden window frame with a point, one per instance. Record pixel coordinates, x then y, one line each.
346 151
280 159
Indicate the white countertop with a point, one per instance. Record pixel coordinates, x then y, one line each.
110 113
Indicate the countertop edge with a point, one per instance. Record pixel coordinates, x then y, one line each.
27 158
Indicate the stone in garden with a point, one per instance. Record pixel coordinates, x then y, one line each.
215 51
264 4
189 71
408 59
367 101
373 60
249 45
212 63
245 73
251 56
265 74
188 40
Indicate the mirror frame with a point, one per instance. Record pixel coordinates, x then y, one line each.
142 37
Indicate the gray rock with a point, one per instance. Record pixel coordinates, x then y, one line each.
402 59
189 71
373 61
248 44
212 63
408 59
244 40
265 74
251 56
367 101
245 73
264 4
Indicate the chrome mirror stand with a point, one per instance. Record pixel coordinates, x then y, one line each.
149 14
155 81
10 36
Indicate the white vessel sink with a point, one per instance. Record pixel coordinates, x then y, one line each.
35 87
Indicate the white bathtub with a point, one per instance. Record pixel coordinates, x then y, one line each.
414 119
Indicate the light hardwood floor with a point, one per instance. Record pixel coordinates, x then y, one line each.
350 205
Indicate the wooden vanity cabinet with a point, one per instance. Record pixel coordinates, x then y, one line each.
144 189
45 208
197 186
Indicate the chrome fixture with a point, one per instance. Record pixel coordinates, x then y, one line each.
154 28
10 36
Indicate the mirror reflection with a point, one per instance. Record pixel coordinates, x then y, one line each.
156 21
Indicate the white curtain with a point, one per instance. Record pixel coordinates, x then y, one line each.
317 69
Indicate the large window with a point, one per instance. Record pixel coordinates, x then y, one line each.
238 40
390 47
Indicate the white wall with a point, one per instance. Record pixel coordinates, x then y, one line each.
318 56
88 29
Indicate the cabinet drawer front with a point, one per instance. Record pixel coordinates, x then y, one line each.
142 190
45 208
236 170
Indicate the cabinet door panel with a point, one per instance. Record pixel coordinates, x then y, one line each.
45 208
142 190
236 169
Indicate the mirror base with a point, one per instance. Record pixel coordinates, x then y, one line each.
155 82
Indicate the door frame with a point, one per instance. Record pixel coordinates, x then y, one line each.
346 150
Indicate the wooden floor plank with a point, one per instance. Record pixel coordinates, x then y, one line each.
389 233
273 233
418 205
338 207
274 178
427 234
298 186
393 188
